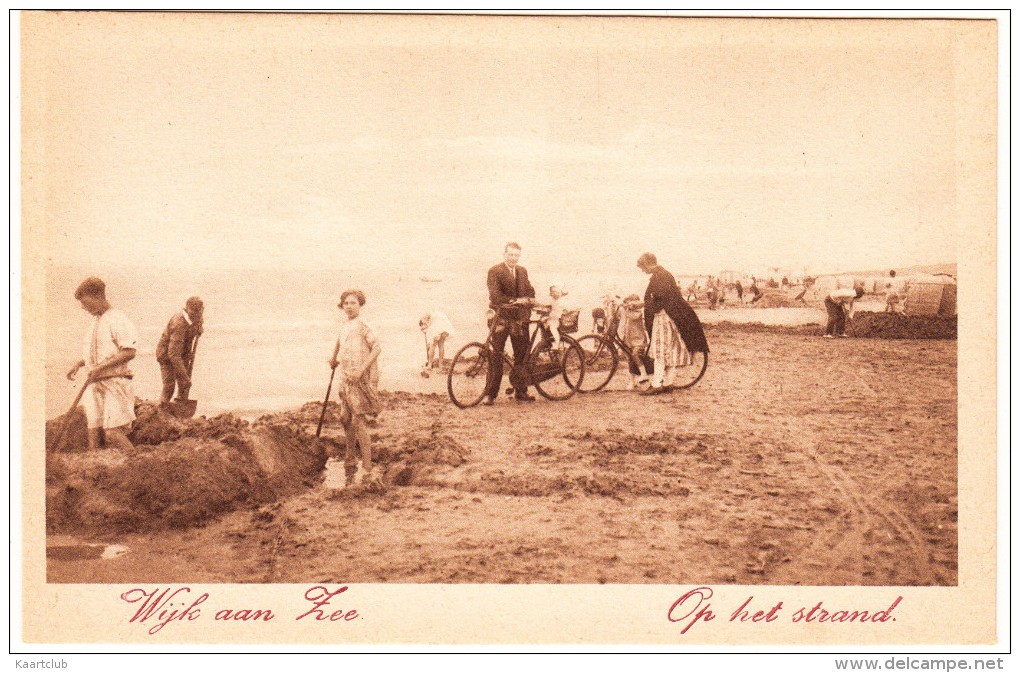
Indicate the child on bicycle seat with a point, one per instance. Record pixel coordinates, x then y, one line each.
633 334
553 312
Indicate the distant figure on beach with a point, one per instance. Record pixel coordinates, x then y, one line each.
808 283
739 287
892 295
716 295
634 335
175 351
692 290
672 324
110 343
510 296
357 354
839 304
437 328
756 293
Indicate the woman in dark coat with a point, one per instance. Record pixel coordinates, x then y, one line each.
677 332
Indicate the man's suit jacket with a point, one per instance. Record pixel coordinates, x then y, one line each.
504 287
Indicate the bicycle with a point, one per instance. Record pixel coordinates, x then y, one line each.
556 373
601 358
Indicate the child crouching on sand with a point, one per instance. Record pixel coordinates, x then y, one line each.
632 332
437 328
357 354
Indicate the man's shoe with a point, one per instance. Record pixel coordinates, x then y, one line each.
524 397
488 401
827 336
654 390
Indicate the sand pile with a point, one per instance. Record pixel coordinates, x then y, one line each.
73 437
405 455
777 300
181 473
419 455
898 326
153 425
760 328
866 324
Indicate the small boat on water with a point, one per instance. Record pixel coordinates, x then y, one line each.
429 279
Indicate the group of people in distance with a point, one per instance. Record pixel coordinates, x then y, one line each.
109 345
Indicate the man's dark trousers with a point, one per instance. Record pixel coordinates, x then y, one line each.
519 342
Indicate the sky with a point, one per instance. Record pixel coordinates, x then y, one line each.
311 142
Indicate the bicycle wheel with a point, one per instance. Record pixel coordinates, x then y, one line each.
468 373
557 374
687 376
600 362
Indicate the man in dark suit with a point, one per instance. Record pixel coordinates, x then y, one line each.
508 284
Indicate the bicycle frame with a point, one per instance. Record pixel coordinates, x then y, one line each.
533 340
616 340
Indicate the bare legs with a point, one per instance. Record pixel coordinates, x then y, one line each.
116 438
357 435
438 344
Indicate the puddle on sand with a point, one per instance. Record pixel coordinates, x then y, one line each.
334 477
113 551
84 552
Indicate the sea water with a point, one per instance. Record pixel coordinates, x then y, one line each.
269 333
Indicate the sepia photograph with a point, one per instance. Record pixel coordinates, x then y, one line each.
503 302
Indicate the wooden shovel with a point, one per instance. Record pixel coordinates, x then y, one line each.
322 416
74 405
67 416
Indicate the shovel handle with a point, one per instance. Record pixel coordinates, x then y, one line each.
322 416
77 399
67 416
191 359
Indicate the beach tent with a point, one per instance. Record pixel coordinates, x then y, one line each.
929 295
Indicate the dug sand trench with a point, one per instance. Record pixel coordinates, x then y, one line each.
180 473
185 473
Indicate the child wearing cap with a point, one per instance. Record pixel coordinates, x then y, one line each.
356 354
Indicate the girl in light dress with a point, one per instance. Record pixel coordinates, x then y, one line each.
356 354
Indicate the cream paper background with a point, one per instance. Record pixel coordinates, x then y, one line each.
489 614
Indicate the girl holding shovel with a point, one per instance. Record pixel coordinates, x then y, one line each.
356 354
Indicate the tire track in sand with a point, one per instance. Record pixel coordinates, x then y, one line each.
867 509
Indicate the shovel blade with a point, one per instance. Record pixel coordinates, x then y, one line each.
181 408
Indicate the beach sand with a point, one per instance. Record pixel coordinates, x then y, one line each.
796 460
